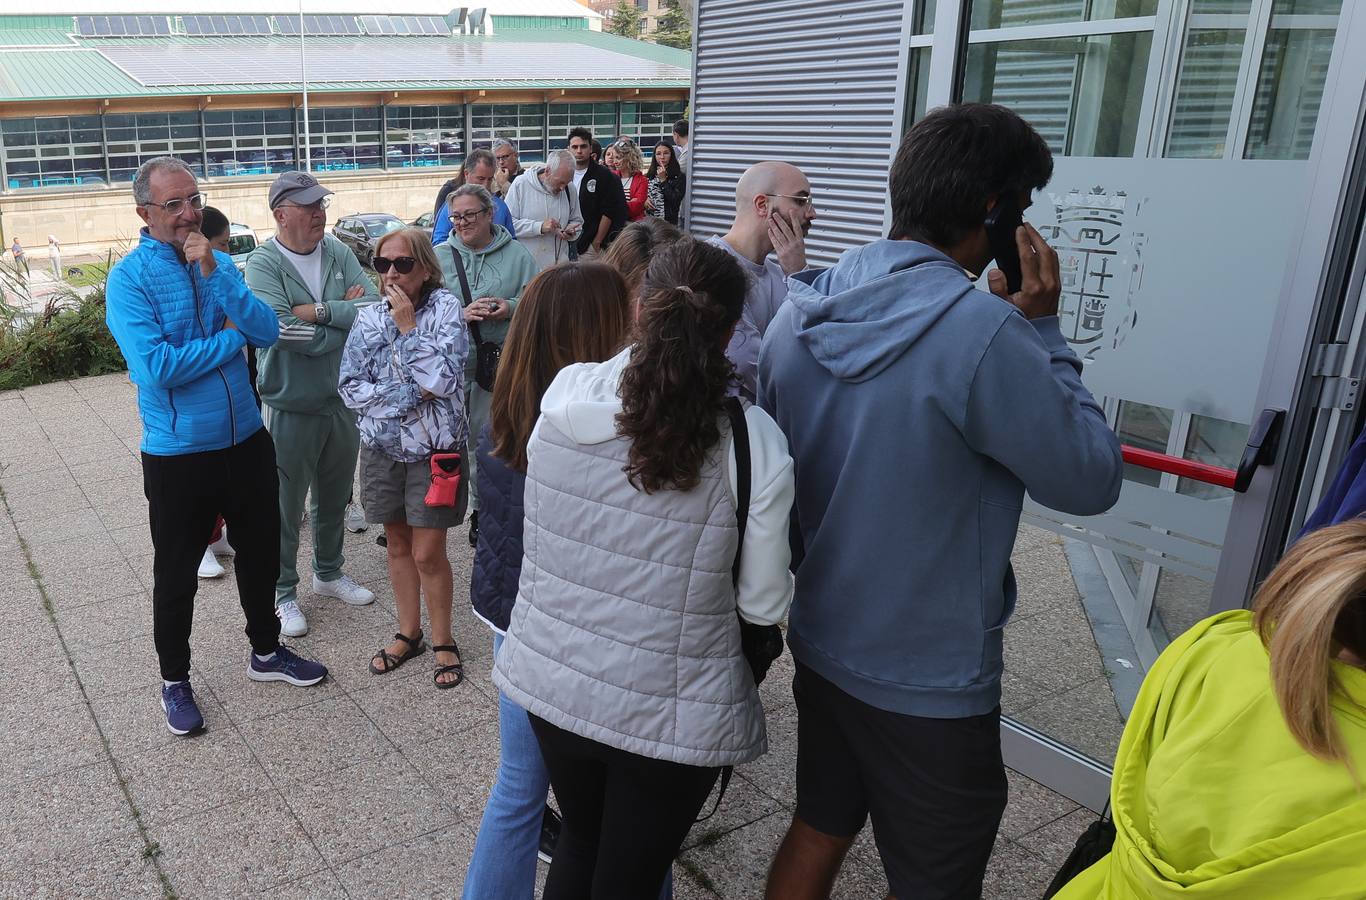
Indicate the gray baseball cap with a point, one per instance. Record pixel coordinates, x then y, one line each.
299 188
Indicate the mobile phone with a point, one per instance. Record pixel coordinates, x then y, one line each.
1001 223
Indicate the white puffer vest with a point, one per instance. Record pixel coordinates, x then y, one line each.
624 630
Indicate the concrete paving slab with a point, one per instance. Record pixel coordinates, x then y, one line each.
1055 840
110 669
1031 806
375 804
96 871
414 711
302 744
430 866
1014 872
461 767
248 701
742 805
192 775
43 740
1085 717
48 819
266 847
318 886
70 590
108 621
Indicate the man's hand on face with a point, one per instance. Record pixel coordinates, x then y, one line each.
1041 278
789 243
197 249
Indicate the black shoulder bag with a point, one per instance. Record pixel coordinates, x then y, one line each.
487 353
1092 845
761 644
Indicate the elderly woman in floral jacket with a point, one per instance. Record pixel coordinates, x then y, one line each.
402 371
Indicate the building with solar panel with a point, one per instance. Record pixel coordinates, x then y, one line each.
90 90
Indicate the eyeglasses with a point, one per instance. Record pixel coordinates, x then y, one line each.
316 205
177 206
403 265
803 200
462 218
502 157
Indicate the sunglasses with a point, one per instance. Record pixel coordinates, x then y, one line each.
403 265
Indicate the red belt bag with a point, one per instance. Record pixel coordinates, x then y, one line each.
445 486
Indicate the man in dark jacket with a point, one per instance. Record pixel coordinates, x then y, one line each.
601 200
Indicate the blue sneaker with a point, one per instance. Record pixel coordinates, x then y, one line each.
288 666
182 713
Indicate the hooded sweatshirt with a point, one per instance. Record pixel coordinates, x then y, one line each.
531 204
1212 795
500 269
918 411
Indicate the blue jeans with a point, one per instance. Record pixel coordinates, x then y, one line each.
503 866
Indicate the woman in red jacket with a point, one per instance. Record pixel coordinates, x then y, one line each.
624 158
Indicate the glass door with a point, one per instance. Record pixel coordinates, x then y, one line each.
1189 137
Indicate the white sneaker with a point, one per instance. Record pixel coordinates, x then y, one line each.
343 589
221 547
292 621
355 519
209 567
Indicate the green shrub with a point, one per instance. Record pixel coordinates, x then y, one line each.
67 340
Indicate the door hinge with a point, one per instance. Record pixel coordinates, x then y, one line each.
1328 359
1339 392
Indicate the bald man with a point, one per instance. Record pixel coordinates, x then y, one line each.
773 213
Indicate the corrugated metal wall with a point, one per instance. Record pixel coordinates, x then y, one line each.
808 82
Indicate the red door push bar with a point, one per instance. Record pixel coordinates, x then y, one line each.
1174 465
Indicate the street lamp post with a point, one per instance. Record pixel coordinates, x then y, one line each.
303 79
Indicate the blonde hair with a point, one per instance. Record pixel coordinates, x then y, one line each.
420 248
1312 606
629 160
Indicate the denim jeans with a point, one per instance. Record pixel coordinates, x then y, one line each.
503 866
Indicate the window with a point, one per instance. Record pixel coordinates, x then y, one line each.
249 141
521 123
60 151
135 138
424 136
648 123
1286 84
1082 94
344 138
599 118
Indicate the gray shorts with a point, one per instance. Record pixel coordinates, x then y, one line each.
394 492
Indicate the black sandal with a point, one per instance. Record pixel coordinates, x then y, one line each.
457 668
388 662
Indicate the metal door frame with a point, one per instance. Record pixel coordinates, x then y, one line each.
1322 277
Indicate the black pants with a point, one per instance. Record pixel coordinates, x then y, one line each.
185 495
935 788
625 816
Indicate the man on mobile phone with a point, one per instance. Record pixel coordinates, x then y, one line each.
181 314
315 285
773 214
919 410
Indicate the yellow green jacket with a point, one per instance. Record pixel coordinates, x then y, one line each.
1213 798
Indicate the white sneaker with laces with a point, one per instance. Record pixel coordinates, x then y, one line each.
292 621
221 547
343 589
209 567
355 519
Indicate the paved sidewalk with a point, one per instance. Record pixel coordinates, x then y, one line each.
360 787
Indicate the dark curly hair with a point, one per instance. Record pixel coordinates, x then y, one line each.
673 391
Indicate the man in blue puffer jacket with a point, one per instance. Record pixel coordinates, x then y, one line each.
182 314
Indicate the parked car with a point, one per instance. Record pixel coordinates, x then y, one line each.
241 241
362 231
424 222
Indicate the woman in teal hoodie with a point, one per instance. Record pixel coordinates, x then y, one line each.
1240 773
496 269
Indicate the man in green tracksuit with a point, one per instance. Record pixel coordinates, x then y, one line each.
316 286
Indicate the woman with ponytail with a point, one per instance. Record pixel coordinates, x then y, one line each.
624 644
1240 773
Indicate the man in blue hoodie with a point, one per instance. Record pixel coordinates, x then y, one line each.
918 411
181 315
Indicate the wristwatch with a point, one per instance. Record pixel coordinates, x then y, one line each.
322 313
